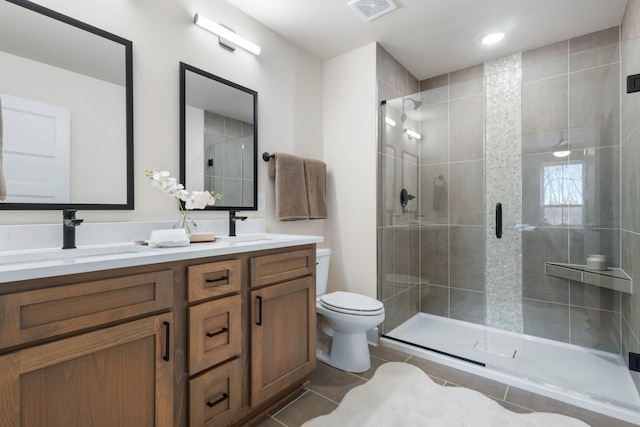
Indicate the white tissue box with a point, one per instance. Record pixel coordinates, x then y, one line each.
169 238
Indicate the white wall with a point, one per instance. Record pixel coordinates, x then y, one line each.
288 82
350 150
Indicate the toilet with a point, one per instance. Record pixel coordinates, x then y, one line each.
343 321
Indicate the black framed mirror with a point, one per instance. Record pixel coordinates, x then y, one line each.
218 138
67 112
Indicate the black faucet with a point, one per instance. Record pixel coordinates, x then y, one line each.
232 222
69 224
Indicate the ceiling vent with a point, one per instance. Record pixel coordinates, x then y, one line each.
372 9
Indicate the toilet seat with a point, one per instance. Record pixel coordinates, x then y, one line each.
350 303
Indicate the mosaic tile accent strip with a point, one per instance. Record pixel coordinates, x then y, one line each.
503 174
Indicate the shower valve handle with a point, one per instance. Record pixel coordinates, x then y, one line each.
405 197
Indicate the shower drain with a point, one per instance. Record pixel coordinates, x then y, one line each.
478 346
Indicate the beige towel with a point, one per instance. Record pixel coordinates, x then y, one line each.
315 173
3 185
291 192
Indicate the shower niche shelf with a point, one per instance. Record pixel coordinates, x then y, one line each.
612 278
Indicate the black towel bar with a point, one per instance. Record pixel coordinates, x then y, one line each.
266 156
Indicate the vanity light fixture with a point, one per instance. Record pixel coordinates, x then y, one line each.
492 38
412 133
389 121
226 37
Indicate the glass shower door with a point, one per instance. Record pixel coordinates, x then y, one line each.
553 163
433 293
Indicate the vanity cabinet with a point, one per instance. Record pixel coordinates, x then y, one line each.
91 353
211 341
283 321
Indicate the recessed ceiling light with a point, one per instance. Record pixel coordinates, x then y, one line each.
492 38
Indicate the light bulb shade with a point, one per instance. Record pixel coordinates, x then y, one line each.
412 133
561 149
226 34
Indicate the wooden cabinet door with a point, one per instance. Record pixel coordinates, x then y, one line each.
283 336
117 376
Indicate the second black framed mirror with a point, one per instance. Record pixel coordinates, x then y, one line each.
218 138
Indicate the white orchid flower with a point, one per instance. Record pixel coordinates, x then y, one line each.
164 182
161 175
199 200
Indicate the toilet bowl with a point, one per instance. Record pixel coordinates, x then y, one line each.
343 321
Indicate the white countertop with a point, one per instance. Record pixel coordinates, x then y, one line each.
39 263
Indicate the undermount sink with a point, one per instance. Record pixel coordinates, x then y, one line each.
247 238
55 254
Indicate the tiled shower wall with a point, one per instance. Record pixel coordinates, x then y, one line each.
503 175
398 234
630 180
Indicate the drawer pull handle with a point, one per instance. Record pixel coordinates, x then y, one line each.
224 397
221 331
219 279
167 343
259 322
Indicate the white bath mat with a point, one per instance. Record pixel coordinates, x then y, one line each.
402 395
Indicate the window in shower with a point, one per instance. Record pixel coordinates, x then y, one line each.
562 194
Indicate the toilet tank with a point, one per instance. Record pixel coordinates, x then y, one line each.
322 270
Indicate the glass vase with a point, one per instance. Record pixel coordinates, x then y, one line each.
187 223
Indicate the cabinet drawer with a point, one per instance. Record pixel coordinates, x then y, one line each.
43 313
214 279
280 267
214 332
214 397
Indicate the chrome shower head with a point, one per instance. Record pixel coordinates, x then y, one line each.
416 104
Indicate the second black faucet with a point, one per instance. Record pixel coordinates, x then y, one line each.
69 224
232 222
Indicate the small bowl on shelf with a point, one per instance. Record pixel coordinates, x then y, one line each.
597 262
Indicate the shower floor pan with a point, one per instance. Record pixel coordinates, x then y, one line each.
566 372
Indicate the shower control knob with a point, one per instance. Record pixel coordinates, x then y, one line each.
405 197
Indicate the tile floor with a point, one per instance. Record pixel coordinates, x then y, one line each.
329 385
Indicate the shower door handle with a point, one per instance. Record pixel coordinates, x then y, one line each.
498 220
